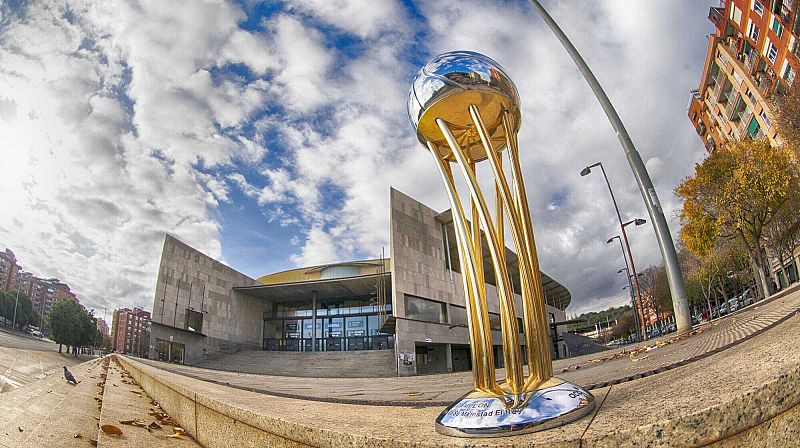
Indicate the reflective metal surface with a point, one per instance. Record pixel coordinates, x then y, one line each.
466 109
548 407
462 78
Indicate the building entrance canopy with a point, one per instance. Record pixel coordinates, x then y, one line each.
335 288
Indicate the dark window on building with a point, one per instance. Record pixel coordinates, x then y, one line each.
458 315
194 321
425 310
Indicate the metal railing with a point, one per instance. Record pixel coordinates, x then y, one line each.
744 123
381 289
732 106
352 343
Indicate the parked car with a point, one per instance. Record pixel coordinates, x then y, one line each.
748 298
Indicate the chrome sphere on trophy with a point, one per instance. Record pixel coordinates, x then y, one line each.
465 110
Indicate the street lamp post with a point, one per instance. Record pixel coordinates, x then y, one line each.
634 305
677 289
629 259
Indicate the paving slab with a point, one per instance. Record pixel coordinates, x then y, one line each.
591 371
292 422
723 395
54 418
708 400
25 407
125 401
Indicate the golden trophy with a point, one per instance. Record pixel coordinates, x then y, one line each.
465 109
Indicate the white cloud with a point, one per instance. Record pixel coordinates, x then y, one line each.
113 103
108 109
362 18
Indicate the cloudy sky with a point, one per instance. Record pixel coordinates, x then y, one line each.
268 134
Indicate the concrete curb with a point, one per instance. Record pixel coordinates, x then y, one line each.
215 421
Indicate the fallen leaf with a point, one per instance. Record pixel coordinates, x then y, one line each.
134 422
20 428
154 425
93 442
111 430
176 435
77 435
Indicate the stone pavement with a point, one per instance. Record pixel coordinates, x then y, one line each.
51 412
749 392
24 359
592 371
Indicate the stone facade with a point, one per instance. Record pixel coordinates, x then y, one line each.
192 284
419 267
189 280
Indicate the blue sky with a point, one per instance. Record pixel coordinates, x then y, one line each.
267 134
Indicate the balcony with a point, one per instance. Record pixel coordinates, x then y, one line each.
744 122
760 80
732 108
783 12
710 145
717 17
717 93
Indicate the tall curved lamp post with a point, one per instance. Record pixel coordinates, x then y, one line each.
680 302
465 110
634 302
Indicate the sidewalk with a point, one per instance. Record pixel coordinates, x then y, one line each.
595 371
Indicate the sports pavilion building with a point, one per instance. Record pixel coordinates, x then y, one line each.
403 315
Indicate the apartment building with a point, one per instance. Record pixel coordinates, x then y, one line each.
9 269
44 292
130 331
102 326
752 60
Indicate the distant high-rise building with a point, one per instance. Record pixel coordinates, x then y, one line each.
47 291
102 326
130 331
9 269
752 60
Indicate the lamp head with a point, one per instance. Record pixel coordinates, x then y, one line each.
620 271
586 171
640 221
611 239
445 88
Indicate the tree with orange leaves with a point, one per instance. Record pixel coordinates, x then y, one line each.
735 193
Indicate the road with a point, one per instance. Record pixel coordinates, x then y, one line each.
24 359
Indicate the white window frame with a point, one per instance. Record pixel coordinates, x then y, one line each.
756 10
766 120
750 28
736 14
772 21
769 47
787 73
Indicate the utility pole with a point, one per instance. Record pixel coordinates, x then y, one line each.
16 302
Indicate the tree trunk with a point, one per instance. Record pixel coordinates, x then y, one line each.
759 276
783 271
59 348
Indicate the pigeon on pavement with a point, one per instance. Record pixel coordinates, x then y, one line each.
68 376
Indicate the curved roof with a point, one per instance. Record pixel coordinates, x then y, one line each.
308 273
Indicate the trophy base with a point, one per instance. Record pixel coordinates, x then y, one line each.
554 403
